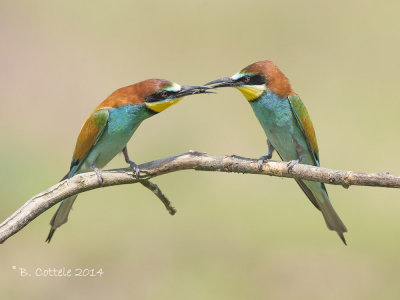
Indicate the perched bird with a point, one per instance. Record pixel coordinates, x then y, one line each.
288 127
110 126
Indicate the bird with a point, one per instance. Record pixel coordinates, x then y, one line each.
288 128
107 130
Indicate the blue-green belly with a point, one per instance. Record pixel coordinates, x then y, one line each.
121 125
280 126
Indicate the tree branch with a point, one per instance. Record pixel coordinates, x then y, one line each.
159 193
191 160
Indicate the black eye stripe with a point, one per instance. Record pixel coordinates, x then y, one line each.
252 79
159 96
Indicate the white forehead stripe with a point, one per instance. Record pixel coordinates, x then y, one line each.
237 76
174 87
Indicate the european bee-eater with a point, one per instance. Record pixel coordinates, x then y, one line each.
110 126
288 127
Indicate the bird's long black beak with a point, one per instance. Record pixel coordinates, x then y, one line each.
194 89
222 82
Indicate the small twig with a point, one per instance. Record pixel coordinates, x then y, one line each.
159 193
191 160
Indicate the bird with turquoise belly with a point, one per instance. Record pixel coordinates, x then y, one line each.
287 125
110 126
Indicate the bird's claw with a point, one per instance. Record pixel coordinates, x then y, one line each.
135 169
98 173
261 160
99 178
292 163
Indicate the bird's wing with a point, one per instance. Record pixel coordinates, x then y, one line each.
303 119
90 134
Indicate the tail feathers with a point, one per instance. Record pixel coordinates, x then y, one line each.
50 235
331 217
341 235
318 195
61 216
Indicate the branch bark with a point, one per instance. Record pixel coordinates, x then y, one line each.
190 160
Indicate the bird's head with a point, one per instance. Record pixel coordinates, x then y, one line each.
156 94
254 80
164 93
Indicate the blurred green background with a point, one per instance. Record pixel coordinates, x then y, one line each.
234 236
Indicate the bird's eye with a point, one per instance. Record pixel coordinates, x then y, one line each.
246 79
164 94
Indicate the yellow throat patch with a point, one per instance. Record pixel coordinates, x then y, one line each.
160 106
251 92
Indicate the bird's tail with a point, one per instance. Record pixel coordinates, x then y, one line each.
318 195
61 215
331 217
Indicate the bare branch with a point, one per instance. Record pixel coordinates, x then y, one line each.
159 193
191 160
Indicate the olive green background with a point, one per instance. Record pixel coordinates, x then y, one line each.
234 236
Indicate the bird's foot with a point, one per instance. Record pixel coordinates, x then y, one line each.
261 160
132 164
292 163
135 169
98 173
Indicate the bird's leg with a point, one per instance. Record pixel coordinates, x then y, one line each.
294 162
263 158
132 164
98 173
